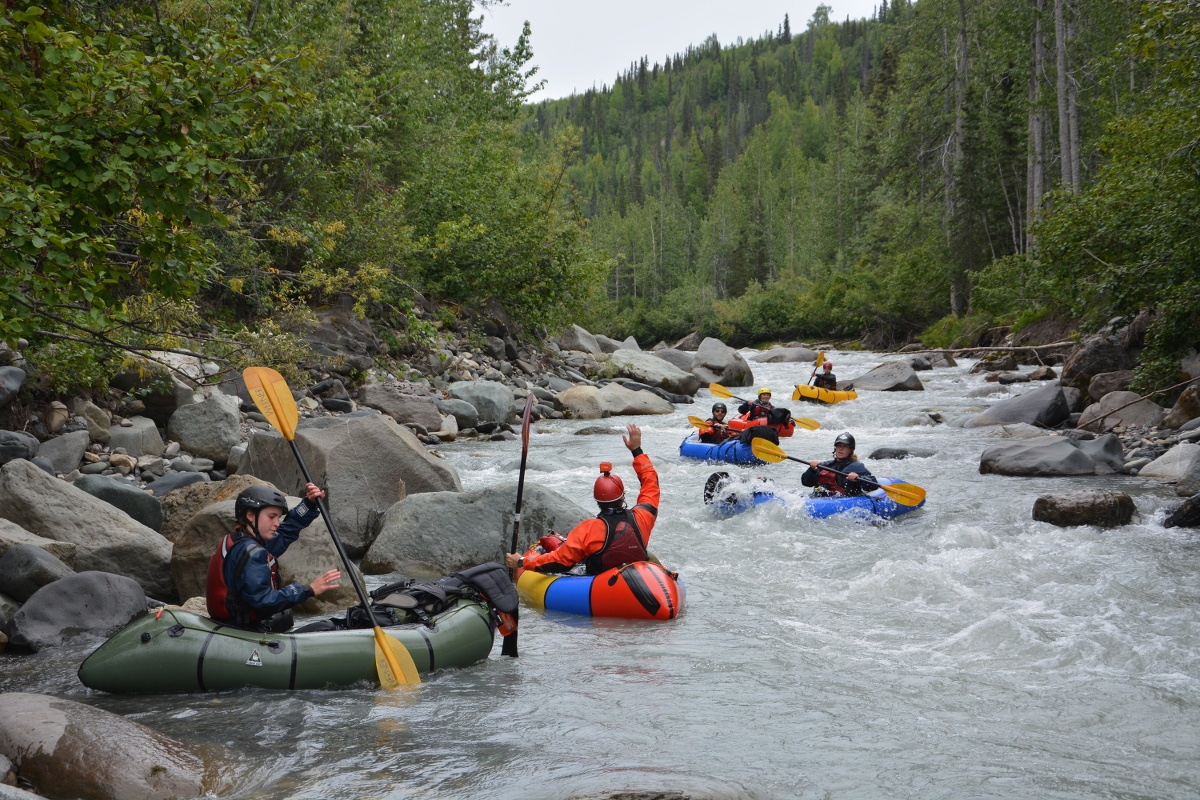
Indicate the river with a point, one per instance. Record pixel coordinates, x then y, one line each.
960 651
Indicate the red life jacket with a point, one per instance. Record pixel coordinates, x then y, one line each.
827 481
223 604
623 544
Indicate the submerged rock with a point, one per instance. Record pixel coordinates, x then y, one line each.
1085 507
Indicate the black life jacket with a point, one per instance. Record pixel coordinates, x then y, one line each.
223 604
623 543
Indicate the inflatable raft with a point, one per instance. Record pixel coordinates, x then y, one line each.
642 590
829 396
730 451
172 650
728 497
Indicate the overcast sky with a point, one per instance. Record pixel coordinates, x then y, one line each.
579 44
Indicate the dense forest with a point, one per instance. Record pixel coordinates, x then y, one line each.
199 176
943 168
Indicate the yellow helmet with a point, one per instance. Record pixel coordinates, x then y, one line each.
764 390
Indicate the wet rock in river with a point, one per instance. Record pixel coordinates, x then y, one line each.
1085 507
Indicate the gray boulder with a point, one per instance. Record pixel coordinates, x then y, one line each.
401 407
1086 507
1106 382
894 376
207 429
1045 406
1173 464
576 338
70 749
179 506
653 371
365 463
493 401
17 444
1045 456
630 343
1105 450
680 359
717 362
431 535
1186 409
1188 482
97 419
12 535
25 568
11 380
90 602
1095 355
610 400
901 452
140 505
308 556
140 439
65 451
786 355
176 480
464 414
1120 408
1186 516
105 538
608 345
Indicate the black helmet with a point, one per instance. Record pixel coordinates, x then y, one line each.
719 407
257 497
844 438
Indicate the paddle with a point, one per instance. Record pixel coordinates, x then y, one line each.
820 361
720 391
509 646
393 663
905 494
803 422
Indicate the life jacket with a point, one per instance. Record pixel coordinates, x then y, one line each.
827 483
757 411
623 543
223 605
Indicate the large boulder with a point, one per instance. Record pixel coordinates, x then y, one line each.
610 400
464 414
608 345
366 463
96 418
431 535
653 371
1107 382
717 362
1045 406
305 559
493 401
786 355
142 506
1186 516
1188 482
681 359
90 602
179 506
894 376
17 444
105 538
140 438
420 410
1085 507
1120 408
577 338
1173 464
70 749
1186 409
12 535
1044 456
25 568
11 380
1095 355
1105 450
207 429
65 451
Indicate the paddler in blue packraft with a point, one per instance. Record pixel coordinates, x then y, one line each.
826 380
244 588
717 430
850 474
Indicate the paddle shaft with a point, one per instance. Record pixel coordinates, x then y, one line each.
337 542
521 477
837 472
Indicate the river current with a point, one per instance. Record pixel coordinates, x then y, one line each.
961 651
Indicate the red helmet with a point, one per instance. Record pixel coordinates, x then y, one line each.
828 364
608 488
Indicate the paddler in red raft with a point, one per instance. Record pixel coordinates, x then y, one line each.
617 535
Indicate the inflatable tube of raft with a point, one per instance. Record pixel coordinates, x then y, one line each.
828 396
731 451
728 497
642 590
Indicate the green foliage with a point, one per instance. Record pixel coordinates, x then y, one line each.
952 331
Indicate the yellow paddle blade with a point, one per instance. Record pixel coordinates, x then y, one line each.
820 359
806 423
906 494
699 423
271 394
393 662
767 450
719 390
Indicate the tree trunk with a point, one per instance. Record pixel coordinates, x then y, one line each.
1036 172
1067 156
960 283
